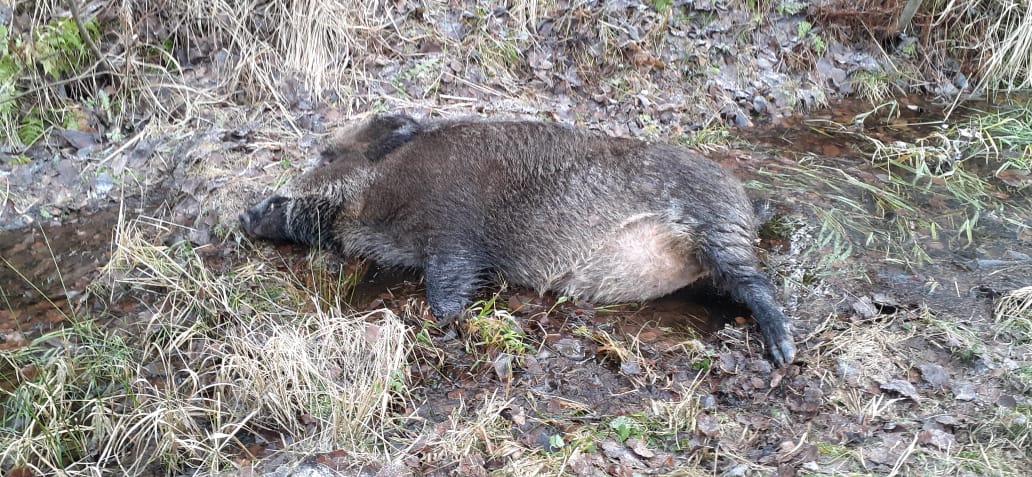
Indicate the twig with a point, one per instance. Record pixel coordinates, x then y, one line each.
105 65
907 14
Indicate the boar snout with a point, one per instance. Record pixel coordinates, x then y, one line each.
267 220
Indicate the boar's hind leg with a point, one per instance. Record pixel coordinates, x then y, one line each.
452 275
728 254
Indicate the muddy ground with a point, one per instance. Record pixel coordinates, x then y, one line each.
902 368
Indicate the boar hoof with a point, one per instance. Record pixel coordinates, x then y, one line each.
780 344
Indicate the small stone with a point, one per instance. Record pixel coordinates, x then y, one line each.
104 183
760 105
742 121
630 367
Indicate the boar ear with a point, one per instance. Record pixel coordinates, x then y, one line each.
372 140
386 133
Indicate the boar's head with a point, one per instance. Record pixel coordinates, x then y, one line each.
305 210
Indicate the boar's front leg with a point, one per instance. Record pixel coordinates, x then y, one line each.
452 275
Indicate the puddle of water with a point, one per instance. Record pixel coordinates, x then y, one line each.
41 267
906 234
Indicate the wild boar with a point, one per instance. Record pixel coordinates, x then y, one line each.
542 205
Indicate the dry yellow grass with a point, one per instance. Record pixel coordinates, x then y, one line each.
224 355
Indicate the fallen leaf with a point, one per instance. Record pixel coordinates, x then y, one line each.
963 391
941 440
865 308
620 452
707 425
902 387
934 374
586 464
639 448
888 451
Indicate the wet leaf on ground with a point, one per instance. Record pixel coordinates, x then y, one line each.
708 425
902 387
889 450
937 438
964 390
934 374
621 453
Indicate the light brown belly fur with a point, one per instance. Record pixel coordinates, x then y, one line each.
644 258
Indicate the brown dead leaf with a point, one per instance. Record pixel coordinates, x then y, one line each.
892 446
620 452
517 415
934 374
586 464
639 448
707 425
1015 178
902 387
939 439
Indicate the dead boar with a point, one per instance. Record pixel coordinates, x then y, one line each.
539 204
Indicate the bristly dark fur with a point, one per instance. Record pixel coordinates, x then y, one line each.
542 205
374 139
